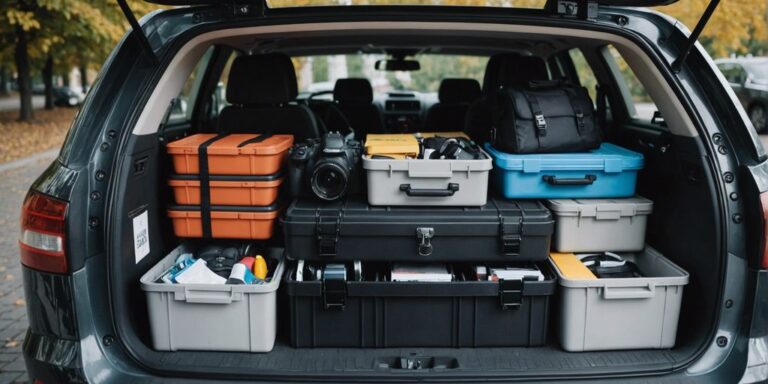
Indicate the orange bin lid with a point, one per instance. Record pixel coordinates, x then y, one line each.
228 145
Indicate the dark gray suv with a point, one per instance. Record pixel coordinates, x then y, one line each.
705 170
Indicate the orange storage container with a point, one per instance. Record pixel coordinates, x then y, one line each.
232 154
228 190
256 223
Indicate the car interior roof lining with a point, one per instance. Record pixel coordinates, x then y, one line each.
177 72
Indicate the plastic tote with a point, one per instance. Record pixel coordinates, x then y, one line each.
427 182
226 222
380 314
597 225
233 154
623 313
609 171
227 190
211 317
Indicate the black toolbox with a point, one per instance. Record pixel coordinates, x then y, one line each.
350 229
380 314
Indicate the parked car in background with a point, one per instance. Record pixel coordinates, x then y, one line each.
67 97
749 79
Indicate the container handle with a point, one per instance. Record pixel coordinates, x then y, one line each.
452 188
208 297
619 293
553 180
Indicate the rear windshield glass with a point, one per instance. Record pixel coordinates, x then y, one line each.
537 4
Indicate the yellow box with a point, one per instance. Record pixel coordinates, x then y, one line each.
392 144
571 267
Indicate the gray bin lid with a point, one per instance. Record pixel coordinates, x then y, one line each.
601 209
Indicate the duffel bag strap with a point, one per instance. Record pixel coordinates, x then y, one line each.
538 117
577 112
205 184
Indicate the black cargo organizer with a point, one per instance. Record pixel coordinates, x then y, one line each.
350 229
381 314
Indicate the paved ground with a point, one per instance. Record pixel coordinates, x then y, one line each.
12 103
13 313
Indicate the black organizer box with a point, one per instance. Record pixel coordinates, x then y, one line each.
379 314
510 230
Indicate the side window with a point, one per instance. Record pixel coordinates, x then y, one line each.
639 104
181 106
220 92
586 76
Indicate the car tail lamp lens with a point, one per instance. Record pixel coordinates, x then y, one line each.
764 208
42 238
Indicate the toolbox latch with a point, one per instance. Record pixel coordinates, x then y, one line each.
335 294
327 235
424 236
510 293
510 238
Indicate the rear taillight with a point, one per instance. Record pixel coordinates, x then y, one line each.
42 239
764 208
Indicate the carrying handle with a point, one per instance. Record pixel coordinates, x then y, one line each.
208 297
553 180
615 293
452 188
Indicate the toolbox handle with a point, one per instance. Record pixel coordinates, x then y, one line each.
617 293
452 188
553 180
208 297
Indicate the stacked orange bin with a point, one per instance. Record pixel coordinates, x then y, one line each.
227 185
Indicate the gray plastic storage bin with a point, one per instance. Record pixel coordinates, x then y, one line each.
211 317
623 313
598 225
427 182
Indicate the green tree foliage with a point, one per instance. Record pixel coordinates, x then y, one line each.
70 32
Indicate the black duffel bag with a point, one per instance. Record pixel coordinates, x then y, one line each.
547 116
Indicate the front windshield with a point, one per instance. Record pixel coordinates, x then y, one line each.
319 73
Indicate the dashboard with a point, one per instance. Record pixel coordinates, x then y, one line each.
404 111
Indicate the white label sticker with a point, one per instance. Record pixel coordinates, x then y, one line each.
141 236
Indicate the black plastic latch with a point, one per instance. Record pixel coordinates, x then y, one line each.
511 237
335 294
510 293
327 230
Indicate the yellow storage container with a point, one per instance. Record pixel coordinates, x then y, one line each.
392 145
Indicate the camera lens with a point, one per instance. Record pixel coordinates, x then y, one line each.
329 181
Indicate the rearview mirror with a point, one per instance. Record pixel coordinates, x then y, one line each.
397 65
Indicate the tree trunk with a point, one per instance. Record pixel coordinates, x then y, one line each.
21 56
83 75
4 80
48 81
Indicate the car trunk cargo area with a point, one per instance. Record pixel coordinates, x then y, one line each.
680 228
683 229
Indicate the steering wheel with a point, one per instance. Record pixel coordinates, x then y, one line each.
313 95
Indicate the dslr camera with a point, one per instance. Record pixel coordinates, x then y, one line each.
329 168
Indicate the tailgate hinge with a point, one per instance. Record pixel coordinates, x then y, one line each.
327 230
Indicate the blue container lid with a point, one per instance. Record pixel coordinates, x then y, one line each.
608 158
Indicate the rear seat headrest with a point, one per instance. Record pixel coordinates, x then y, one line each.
353 91
458 91
262 79
512 70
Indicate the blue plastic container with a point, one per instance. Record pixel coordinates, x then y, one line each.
609 171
